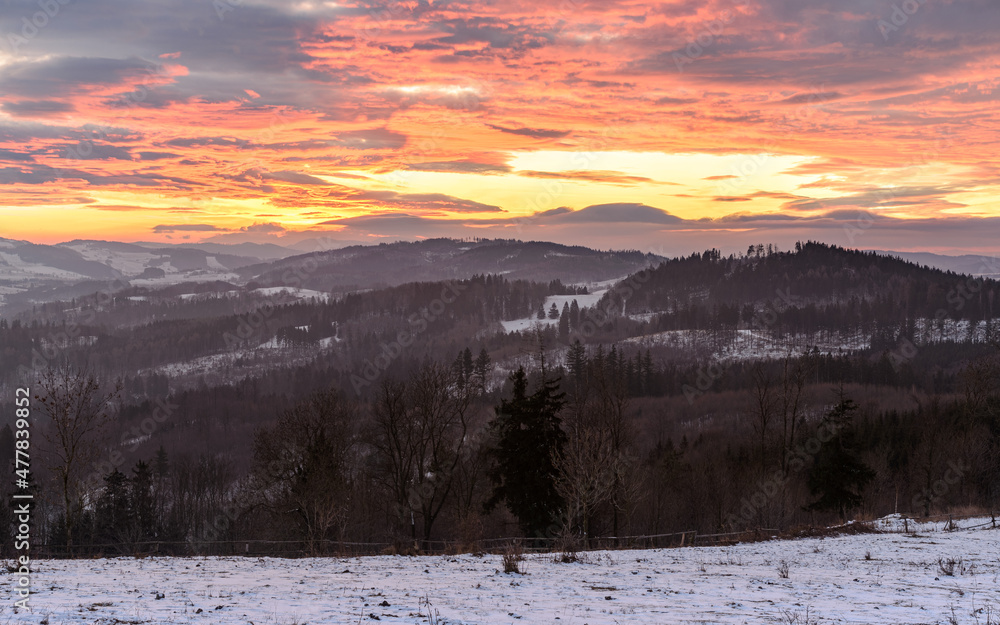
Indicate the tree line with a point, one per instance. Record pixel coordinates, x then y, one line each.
565 450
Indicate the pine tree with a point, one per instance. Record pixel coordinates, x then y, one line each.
528 435
541 311
553 311
564 324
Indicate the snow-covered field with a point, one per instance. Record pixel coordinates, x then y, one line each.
872 578
520 325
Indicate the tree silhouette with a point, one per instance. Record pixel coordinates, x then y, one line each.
838 476
528 436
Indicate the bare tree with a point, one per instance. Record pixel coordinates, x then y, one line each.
763 406
981 382
609 417
421 435
78 409
791 405
588 472
302 465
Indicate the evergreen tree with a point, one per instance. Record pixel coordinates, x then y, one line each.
113 520
574 316
481 369
541 311
161 466
528 434
564 324
553 311
142 505
838 476
463 368
467 363
576 361
161 470
647 373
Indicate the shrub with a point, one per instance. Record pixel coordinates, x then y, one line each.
512 558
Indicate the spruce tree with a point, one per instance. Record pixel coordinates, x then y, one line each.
564 324
838 476
576 361
574 316
481 369
142 505
528 434
113 518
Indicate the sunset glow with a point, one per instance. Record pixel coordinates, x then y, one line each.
866 124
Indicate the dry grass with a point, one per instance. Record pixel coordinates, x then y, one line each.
513 555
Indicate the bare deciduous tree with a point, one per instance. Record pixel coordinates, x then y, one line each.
77 408
302 465
420 434
588 472
763 406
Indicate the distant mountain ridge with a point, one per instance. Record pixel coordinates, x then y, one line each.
359 267
970 264
33 273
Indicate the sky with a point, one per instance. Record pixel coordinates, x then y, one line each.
665 126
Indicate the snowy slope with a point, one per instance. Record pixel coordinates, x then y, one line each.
872 579
583 301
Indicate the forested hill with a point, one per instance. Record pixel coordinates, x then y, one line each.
815 279
360 267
